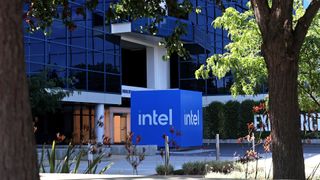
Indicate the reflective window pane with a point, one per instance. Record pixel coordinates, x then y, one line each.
78 79
113 83
95 81
36 51
78 58
95 61
57 54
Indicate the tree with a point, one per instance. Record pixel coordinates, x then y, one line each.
309 65
282 38
46 92
243 57
18 150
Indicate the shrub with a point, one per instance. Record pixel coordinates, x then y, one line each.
70 159
164 170
134 157
212 119
194 168
246 116
178 172
220 166
201 168
232 118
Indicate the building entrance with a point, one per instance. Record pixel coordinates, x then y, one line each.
120 128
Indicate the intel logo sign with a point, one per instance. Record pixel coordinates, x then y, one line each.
155 112
191 119
155 119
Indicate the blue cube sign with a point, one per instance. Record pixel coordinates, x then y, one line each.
176 113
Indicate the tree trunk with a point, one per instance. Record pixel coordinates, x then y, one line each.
17 150
288 161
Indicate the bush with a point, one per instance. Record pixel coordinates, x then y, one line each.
194 168
232 118
246 116
221 166
212 120
164 170
178 172
201 168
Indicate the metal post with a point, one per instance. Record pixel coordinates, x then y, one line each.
253 143
217 148
167 155
90 154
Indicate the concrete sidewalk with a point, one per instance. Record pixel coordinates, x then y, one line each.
147 166
121 169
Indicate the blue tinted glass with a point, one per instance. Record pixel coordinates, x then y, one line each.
36 68
212 86
77 58
58 75
27 68
196 85
77 79
37 51
95 61
97 40
78 37
58 33
113 83
95 81
112 63
187 69
57 54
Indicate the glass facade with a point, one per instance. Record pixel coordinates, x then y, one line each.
213 41
89 58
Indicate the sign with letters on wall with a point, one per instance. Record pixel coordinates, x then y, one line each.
176 113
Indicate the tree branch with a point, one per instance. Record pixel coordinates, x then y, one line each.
304 23
262 13
310 95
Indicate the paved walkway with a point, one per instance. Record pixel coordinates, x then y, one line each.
147 166
121 169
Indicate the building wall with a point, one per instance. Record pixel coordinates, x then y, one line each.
87 58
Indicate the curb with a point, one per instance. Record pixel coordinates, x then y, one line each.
235 141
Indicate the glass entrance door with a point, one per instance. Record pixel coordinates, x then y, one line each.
120 128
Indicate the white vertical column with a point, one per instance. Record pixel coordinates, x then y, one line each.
158 70
99 122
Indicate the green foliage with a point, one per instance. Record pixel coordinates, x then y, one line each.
39 14
201 168
229 120
45 93
309 69
164 170
70 159
173 44
246 116
232 118
244 59
213 119
243 53
156 10
178 172
194 168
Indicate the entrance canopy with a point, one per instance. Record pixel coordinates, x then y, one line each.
176 113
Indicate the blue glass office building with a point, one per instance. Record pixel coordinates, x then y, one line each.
105 62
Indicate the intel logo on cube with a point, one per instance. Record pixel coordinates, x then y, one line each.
176 113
